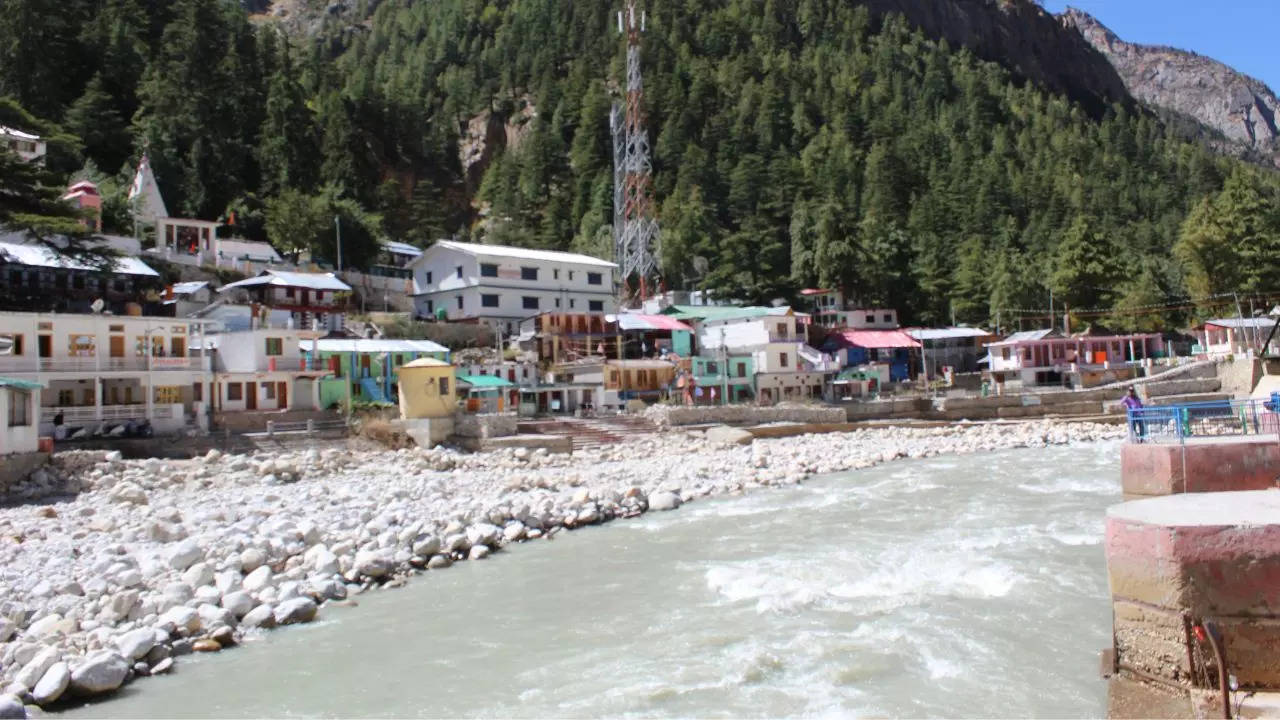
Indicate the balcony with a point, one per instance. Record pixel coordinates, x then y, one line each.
94 364
84 414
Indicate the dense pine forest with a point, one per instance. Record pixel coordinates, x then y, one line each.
797 143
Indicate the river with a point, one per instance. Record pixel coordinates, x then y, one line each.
955 586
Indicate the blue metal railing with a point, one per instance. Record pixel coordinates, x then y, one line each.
1222 418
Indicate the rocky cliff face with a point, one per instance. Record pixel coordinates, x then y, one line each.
1242 108
1023 37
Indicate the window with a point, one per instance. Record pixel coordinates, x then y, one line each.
1004 353
595 279
782 330
431 307
197 392
529 303
595 305
444 386
118 286
77 282
288 292
489 300
528 273
319 295
712 369
168 395
557 302
275 346
782 359
459 299
235 391
742 369
19 408
570 276
458 271
488 270
888 318
66 398
555 274
17 344
572 303
269 390
428 277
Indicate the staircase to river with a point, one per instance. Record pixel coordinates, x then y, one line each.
588 433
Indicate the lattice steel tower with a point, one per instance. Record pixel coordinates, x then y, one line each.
635 225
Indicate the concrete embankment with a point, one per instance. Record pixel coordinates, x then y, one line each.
155 559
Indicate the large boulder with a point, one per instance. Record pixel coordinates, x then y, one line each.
239 603
725 435
663 500
35 668
483 534
373 564
296 610
55 682
102 672
257 580
187 553
11 708
262 616
135 644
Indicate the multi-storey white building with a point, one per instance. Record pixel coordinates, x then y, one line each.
267 368
785 365
501 286
312 299
101 370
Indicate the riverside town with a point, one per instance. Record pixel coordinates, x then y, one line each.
895 359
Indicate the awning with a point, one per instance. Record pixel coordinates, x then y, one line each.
875 339
637 321
485 381
17 384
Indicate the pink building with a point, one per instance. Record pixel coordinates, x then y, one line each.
85 196
1046 357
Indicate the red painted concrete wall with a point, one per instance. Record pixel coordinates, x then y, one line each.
1153 469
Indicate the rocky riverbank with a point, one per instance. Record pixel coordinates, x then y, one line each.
155 559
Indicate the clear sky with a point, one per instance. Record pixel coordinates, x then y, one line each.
1244 34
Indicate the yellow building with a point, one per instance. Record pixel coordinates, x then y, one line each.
427 389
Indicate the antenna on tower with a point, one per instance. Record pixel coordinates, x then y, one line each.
635 225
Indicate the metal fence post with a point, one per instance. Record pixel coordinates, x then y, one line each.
311 427
271 429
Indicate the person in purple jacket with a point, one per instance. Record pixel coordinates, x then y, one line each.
1131 403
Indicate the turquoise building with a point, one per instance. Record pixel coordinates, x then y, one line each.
366 370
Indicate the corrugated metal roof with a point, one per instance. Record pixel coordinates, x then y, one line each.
486 381
639 321
253 249
525 253
946 333
711 313
18 133
186 288
362 345
399 248
281 278
42 256
426 362
1031 335
1261 322
878 339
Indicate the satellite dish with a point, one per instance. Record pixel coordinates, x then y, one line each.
97 305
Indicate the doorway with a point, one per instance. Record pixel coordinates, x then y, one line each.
251 396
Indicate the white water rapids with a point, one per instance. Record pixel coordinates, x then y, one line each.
970 586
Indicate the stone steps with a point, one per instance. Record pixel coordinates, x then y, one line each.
1189 398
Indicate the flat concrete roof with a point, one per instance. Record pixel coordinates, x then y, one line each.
1250 507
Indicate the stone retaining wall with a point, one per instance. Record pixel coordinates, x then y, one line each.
484 426
667 416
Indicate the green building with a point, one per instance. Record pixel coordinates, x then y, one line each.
365 370
732 373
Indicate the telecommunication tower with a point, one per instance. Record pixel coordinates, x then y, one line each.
635 225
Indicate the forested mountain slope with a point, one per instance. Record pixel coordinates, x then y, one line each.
796 142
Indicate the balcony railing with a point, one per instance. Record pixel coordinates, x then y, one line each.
81 414
106 364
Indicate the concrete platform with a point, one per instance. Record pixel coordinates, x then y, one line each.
1208 556
1206 465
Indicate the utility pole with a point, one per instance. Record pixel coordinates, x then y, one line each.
1052 320
724 370
337 229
